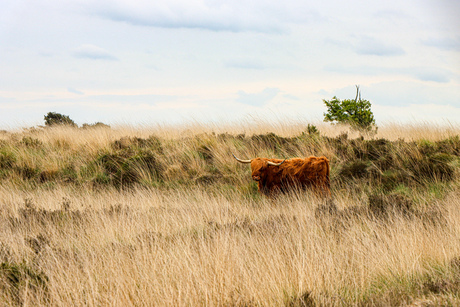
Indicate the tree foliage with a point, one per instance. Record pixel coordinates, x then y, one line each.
53 118
355 112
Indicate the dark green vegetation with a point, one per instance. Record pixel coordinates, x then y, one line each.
377 165
53 119
58 119
355 112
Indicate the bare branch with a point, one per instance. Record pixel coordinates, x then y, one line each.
357 93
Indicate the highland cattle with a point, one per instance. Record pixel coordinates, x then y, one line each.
275 175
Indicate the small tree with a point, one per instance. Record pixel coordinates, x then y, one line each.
53 118
357 113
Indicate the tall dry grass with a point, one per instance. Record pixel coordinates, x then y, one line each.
284 127
179 248
71 243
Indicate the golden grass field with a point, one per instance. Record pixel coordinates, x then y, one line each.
180 223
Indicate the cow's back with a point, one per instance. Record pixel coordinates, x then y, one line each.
312 171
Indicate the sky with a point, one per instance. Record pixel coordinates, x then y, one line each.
171 61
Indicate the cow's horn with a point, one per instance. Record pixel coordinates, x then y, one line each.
242 161
275 164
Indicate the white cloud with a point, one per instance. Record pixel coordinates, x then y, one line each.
291 97
434 74
74 91
443 43
415 113
391 15
88 51
187 54
365 45
257 99
372 46
422 73
400 93
234 16
246 64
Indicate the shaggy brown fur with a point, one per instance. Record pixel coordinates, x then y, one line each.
293 173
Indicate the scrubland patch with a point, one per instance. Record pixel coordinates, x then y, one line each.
132 217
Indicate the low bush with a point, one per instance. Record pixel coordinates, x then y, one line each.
124 169
354 169
95 125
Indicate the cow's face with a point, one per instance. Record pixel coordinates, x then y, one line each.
259 169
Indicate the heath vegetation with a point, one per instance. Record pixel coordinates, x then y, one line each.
164 216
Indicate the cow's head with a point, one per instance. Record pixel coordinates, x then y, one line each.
259 167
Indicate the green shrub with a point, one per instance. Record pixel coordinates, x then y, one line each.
53 119
128 168
450 145
391 179
354 169
312 130
269 141
357 113
434 167
95 125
